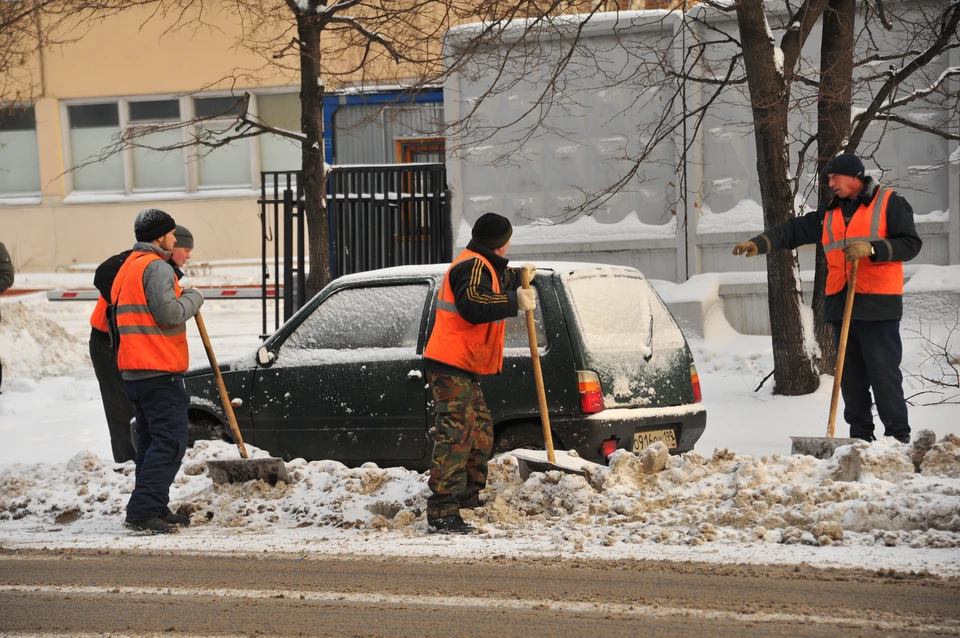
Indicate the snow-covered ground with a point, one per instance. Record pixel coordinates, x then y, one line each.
740 497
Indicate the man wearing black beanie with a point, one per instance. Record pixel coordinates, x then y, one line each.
874 225
478 292
117 408
151 315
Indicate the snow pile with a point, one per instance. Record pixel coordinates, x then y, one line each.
34 346
867 494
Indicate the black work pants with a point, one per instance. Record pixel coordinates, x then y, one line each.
872 362
116 406
160 404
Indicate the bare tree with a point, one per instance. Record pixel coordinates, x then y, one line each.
28 27
319 43
923 39
758 60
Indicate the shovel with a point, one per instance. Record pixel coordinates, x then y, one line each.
819 446
246 469
536 460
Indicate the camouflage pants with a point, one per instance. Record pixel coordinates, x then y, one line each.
462 444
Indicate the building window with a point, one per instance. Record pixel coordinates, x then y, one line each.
369 133
19 154
157 170
94 128
282 111
225 166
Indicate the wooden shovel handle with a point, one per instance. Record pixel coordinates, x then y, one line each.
842 348
537 373
227 407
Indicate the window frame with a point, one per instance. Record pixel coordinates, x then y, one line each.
26 194
192 186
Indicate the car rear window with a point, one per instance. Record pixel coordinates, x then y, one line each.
628 335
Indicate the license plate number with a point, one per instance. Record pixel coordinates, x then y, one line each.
642 440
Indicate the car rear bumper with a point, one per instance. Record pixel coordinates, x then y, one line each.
586 433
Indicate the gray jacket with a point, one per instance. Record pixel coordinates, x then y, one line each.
6 269
166 308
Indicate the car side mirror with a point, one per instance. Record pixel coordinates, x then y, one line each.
264 356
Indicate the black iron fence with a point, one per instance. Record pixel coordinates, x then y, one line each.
282 224
380 216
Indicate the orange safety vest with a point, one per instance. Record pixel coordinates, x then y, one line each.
869 223
98 319
145 345
476 348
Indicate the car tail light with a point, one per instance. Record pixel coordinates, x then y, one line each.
591 394
608 447
695 380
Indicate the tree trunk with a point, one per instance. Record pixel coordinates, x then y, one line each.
833 127
315 183
794 373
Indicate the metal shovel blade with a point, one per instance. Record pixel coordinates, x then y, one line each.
821 447
270 470
536 461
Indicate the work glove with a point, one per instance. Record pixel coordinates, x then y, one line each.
747 248
858 250
530 268
526 299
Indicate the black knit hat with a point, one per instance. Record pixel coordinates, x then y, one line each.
152 223
845 164
492 230
184 237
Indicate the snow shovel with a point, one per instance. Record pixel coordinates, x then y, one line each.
823 447
246 469
550 459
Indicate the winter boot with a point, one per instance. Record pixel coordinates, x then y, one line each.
452 524
176 519
155 525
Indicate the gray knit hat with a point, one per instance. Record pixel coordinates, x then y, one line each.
184 237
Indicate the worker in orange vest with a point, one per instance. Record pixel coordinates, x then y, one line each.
116 406
875 225
478 292
151 316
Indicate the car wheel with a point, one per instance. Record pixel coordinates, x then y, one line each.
522 436
203 430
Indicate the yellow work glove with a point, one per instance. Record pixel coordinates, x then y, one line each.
858 250
747 248
526 299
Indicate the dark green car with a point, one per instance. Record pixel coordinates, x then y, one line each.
344 378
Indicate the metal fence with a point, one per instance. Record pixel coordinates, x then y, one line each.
281 193
388 215
380 216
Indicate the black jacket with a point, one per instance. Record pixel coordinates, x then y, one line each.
6 269
472 289
901 244
107 272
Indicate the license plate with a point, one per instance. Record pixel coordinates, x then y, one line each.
642 440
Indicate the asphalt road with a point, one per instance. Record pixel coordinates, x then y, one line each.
123 593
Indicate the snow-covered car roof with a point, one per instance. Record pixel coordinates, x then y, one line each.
439 269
